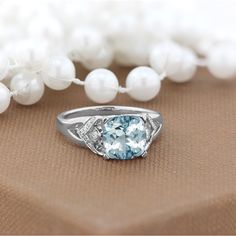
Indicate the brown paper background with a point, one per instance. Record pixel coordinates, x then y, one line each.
187 184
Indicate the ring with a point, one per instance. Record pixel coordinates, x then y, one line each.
113 132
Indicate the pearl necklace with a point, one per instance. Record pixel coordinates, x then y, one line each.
152 35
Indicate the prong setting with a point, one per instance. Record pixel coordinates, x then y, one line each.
92 133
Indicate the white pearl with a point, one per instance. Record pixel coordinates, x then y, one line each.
143 83
130 45
45 27
85 43
187 69
58 72
30 54
5 98
27 88
122 24
4 66
103 59
177 62
221 61
101 86
134 51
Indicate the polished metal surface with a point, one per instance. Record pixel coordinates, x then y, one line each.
83 124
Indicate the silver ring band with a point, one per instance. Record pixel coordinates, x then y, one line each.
114 132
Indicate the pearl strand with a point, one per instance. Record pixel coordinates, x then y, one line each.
101 85
135 33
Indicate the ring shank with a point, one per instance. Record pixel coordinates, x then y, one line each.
104 111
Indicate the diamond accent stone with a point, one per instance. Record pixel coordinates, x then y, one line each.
125 137
84 131
94 135
86 127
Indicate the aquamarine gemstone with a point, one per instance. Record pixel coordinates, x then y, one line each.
124 137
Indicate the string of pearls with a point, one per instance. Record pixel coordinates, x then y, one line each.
38 49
